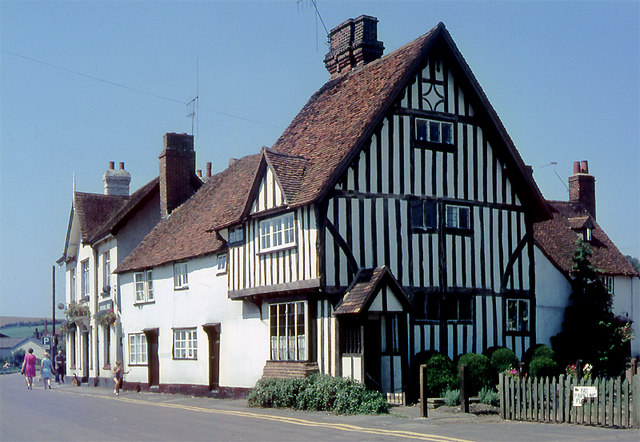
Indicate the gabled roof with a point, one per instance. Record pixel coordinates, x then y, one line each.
10 343
186 234
289 171
94 210
365 286
557 238
339 118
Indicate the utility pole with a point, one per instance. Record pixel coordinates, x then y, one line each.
54 346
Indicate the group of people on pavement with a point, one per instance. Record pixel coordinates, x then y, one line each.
47 369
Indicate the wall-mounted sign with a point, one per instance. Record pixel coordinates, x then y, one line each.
582 393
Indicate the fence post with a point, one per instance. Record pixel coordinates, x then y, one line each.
423 391
635 398
501 393
464 390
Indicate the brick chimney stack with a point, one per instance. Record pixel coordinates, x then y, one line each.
116 182
582 187
177 169
353 43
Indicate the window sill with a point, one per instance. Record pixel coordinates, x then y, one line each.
440 147
222 273
136 365
142 303
277 249
185 359
455 231
516 333
179 289
107 367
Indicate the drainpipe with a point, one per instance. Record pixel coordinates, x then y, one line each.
95 309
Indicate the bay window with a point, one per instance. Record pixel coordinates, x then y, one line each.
288 331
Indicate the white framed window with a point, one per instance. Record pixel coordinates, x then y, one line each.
72 284
137 349
608 283
236 236
277 233
288 331
106 269
144 286
517 315
185 343
180 275
434 131
223 262
84 289
457 217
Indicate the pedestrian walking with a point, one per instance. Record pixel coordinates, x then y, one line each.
46 370
118 374
61 367
29 368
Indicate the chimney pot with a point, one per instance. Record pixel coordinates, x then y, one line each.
112 165
208 169
584 166
576 167
199 173
121 165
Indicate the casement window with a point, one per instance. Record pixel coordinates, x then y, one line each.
351 337
517 315
457 217
180 275
144 286
106 270
223 262
236 236
137 349
432 131
390 333
84 289
449 307
288 330
424 215
185 343
72 284
608 283
277 233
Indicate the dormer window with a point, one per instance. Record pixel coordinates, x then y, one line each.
586 234
236 236
432 131
277 233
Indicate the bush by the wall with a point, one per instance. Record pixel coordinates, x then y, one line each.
318 393
451 398
543 366
441 375
503 359
489 396
480 373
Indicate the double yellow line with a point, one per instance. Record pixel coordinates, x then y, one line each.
289 420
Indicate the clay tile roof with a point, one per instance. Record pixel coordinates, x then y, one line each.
185 234
94 210
366 284
557 238
581 222
289 170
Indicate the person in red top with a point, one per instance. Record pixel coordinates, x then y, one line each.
29 368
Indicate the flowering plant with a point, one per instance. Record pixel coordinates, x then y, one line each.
512 372
74 310
572 370
106 317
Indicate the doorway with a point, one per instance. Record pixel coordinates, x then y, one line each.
213 332
153 363
85 356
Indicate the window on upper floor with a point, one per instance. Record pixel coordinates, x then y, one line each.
457 217
72 284
424 215
432 131
223 262
106 271
608 283
180 275
144 286
85 287
447 307
517 315
137 349
288 330
277 232
185 343
236 236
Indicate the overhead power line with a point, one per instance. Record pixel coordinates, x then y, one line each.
133 89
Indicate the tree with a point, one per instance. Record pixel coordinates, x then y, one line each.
590 330
635 262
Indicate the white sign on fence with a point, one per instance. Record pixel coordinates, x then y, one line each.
582 393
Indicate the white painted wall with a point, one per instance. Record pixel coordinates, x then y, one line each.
244 336
552 296
626 303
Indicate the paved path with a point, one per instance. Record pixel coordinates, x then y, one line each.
87 413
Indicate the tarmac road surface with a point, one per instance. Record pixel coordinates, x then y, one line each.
68 413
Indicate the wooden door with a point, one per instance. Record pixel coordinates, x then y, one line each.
214 356
152 357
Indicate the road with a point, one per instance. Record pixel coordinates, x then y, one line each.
68 413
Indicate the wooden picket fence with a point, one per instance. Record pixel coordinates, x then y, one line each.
551 400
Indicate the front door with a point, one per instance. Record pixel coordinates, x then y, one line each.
386 351
213 332
85 357
372 348
152 357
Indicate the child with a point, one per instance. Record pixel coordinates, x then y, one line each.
118 373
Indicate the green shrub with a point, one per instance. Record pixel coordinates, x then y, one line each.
543 366
441 375
451 397
480 373
318 393
489 396
502 359
537 351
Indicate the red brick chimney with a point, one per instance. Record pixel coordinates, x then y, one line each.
353 43
177 170
582 187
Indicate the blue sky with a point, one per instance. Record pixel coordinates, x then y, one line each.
85 83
